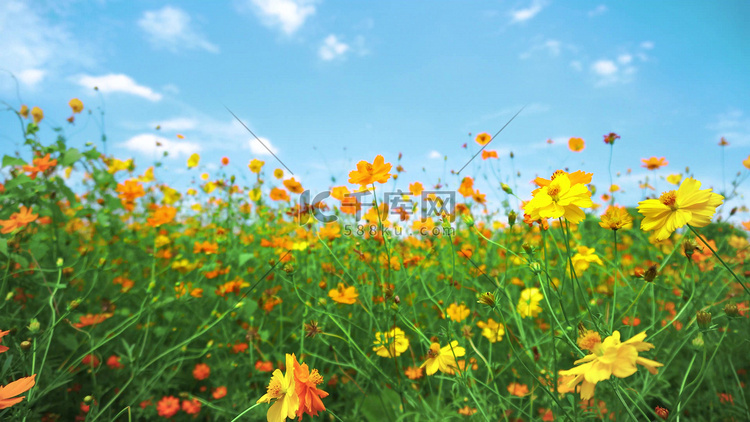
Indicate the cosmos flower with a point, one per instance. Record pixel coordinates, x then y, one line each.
688 205
443 359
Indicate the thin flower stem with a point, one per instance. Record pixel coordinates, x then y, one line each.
614 287
705 242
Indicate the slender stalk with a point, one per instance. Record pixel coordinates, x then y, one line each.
705 242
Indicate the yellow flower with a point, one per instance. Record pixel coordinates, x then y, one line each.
255 165
193 160
494 331
443 359
391 343
37 114
278 173
745 162
254 194
616 218
674 209
458 313
576 144
24 111
148 175
528 303
610 357
674 179
281 390
559 199
584 257
588 340
345 295
76 105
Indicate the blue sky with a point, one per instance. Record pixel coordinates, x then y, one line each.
326 84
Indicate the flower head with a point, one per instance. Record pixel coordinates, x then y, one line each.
307 390
560 198
168 406
483 138
18 220
345 295
615 218
193 160
255 165
654 163
76 105
611 138
443 358
457 313
576 144
390 344
528 303
37 114
688 205
366 173
281 390
610 357
494 331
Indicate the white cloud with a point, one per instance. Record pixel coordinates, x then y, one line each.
434 155
178 123
624 58
734 126
118 83
147 143
258 149
598 10
169 28
36 48
647 45
31 77
604 67
522 15
332 48
289 15
552 47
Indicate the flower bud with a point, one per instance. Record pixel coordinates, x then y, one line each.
288 268
88 399
689 246
698 340
660 411
506 188
59 262
535 267
25 345
731 309
650 273
512 218
527 248
34 326
469 220
487 298
704 319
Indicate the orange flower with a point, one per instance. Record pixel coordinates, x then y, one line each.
306 388
266 366
576 144
224 161
201 371
278 194
293 185
163 215
168 406
13 389
483 138
18 220
92 319
114 362
414 372
130 190
340 192
517 389
219 392
345 295
366 173
191 407
654 163
24 111
3 334
40 165
467 186
416 188
489 154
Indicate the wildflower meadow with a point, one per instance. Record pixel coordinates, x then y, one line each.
248 297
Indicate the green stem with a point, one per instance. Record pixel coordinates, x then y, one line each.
705 242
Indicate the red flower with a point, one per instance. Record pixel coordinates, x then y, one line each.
191 407
90 360
201 371
307 390
114 362
168 406
219 392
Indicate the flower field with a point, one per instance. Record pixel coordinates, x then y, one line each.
126 299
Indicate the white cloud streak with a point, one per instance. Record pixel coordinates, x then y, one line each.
170 28
118 83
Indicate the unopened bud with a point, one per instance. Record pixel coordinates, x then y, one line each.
25 345
527 248
88 399
469 220
487 298
689 246
731 309
704 319
288 268
59 262
535 267
512 218
397 300
650 274
698 340
34 326
506 188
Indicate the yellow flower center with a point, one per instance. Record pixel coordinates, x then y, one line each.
669 198
553 191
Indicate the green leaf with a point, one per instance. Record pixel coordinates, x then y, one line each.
244 257
4 246
70 157
17 181
12 161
